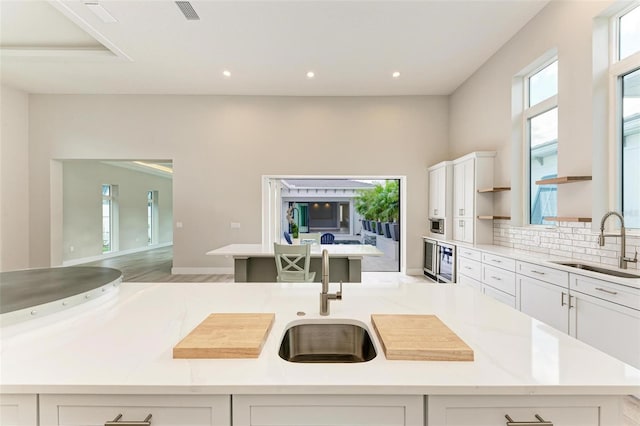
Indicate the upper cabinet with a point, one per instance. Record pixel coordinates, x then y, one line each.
439 190
472 172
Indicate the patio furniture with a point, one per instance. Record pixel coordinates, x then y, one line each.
287 237
327 238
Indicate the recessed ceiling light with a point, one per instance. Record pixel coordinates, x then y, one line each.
226 73
311 74
100 12
396 74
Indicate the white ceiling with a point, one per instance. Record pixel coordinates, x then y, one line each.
352 46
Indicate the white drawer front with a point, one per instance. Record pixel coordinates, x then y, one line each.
500 279
174 410
18 410
470 253
499 295
469 282
499 261
543 273
622 295
328 410
470 268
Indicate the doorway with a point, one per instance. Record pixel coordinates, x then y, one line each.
329 204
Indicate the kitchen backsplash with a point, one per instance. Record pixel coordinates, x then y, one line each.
568 239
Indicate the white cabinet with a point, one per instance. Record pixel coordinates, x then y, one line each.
606 319
470 173
492 411
499 279
18 410
328 410
438 190
172 410
544 294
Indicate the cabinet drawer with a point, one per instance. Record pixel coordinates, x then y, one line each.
173 410
500 296
328 410
469 282
499 261
543 273
499 279
470 268
470 253
616 293
491 411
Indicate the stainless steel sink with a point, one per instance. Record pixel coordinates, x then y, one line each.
597 269
327 342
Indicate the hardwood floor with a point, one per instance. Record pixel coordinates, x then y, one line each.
154 266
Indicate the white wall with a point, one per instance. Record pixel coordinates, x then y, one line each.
82 207
14 179
222 146
480 109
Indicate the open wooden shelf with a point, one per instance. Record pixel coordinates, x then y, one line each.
494 217
568 219
563 179
495 189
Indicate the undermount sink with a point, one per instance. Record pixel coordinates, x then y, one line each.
322 342
597 269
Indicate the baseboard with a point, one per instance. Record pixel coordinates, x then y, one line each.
416 271
202 271
73 262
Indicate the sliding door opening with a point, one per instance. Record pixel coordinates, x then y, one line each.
347 210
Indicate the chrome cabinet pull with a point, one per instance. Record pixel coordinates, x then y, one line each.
461 224
540 422
562 302
496 278
570 305
117 422
461 212
604 290
496 260
435 212
537 272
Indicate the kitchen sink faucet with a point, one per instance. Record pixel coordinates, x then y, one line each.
622 260
325 296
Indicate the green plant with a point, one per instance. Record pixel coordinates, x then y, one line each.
380 203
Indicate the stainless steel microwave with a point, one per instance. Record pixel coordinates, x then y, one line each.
436 226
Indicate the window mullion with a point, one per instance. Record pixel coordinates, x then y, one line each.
542 107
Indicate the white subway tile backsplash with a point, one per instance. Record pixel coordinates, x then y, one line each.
568 239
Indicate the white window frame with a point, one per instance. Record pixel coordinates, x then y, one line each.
108 198
529 112
617 69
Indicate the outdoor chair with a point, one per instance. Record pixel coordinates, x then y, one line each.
327 238
287 237
292 263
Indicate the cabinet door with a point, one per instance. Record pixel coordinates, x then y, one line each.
491 411
612 328
545 302
469 188
328 410
18 410
165 410
437 180
458 189
463 230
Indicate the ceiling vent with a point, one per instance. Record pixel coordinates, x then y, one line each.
188 11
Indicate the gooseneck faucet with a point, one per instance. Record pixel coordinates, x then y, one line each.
622 260
325 296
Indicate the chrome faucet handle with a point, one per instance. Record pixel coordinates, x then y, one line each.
339 292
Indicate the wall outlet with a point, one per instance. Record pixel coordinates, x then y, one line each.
235 225
72 249
178 224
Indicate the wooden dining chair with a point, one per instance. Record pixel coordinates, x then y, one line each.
292 263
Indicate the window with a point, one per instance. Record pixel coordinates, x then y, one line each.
107 215
626 70
541 129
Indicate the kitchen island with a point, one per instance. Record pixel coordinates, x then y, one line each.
113 356
256 262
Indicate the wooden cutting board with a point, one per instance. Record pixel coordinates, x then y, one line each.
419 337
226 336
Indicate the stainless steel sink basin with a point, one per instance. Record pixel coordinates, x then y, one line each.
327 342
597 269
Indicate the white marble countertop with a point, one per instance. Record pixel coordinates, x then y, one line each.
260 250
123 344
550 261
